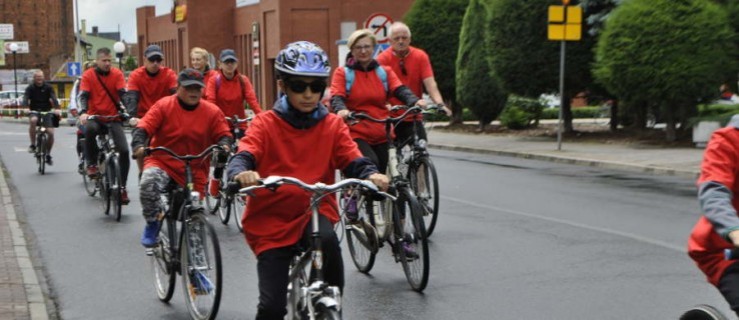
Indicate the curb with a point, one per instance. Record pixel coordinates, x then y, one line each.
576 161
34 294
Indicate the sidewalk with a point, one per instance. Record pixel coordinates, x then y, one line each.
682 162
21 296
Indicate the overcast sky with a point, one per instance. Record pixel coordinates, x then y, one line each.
109 14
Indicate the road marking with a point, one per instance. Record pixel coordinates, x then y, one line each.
574 224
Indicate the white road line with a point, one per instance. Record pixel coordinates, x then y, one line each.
573 224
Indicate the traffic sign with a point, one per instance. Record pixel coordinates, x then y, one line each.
565 23
73 69
379 23
380 48
6 31
22 47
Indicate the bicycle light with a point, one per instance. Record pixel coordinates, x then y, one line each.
195 197
421 144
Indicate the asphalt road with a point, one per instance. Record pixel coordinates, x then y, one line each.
517 239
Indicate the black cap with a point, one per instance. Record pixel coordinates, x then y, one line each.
228 54
153 50
189 77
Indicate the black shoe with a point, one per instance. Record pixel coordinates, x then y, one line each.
49 161
81 168
32 149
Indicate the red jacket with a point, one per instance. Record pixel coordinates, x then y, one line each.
185 132
277 219
367 95
151 89
720 165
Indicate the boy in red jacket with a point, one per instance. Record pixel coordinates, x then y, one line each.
301 139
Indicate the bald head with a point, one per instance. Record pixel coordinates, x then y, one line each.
38 77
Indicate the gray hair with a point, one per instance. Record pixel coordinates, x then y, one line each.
398 25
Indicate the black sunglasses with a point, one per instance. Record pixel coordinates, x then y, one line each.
155 59
317 86
402 67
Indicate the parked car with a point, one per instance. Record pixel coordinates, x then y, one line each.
11 99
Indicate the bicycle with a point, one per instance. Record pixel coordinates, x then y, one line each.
190 249
421 171
311 298
42 137
390 223
226 202
109 179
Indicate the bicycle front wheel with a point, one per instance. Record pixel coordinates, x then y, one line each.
162 265
41 153
327 313
411 242
116 186
425 184
105 189
238 205
200 259
90 185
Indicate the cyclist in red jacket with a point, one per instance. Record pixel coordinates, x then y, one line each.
718 227
185 124
310 145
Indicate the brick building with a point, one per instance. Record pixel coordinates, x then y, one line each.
47 25
259 30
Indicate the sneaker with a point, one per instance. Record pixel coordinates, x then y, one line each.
151 231
49 161
81 168
92 171
214 188
32 149
410 251
124 196
201 284
352 214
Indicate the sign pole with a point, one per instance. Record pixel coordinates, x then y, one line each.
560 123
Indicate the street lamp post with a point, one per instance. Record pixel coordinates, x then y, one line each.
119 47
14 49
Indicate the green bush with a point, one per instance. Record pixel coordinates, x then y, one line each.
714 112
513 117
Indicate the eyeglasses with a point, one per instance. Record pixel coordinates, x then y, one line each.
155 60
362 48
317 86
402 67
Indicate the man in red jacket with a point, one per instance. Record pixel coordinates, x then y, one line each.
718 227
312 143
146 85
185 124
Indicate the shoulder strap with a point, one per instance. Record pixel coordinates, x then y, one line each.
218 83
243 88
115 102
349 76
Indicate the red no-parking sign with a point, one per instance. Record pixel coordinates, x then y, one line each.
379 23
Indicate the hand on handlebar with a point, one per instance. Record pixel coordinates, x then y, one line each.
247 178
343 113
380 180
133 121
422 103
83 119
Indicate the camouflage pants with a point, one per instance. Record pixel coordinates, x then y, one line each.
153 182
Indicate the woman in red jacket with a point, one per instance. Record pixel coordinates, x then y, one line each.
229 89
367 93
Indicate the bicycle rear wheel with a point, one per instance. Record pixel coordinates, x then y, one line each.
238 205
200 259
411 233
162 264
362 247
115 185
212 203
425 184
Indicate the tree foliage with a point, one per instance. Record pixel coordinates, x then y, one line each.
435 26
665 52
477 86
526 61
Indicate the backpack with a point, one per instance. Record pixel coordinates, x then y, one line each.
241 82
349 75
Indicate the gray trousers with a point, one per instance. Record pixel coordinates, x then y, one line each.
153 182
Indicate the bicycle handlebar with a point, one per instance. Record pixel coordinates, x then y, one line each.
236 119
413 109
188 157
121 116
430 108
274 182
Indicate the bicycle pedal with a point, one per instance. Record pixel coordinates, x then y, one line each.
149 252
